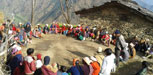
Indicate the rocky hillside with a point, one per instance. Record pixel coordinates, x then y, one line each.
45 11
114 16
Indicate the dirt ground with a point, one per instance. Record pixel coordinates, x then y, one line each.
63 49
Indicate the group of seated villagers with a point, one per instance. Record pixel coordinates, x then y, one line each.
102 63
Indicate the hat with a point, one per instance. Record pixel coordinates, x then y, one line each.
18 48
38 24
20 23
74 61
147 40
14 51
117 32
93 58
47 25
87 60
132 45
99 50
28 23
38 56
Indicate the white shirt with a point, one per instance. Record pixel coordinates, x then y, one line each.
108 65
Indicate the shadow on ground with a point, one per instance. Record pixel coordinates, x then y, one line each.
131 68
44 45
128 69
78 53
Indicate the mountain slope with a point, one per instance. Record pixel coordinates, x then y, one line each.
46 11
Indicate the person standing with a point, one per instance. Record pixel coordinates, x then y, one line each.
121 45
109 63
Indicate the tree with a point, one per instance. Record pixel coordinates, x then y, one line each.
66 11
32 13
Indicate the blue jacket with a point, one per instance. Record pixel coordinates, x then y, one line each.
75 71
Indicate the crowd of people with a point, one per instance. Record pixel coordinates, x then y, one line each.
102 63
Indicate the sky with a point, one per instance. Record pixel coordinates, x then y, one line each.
149 2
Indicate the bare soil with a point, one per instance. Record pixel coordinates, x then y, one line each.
63 49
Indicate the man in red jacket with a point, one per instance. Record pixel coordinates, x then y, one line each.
29 62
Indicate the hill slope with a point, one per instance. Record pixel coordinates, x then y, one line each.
46 11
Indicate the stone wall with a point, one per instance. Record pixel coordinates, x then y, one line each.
115 16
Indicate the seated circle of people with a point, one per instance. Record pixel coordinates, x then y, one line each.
104 61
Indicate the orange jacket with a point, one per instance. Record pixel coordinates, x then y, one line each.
96 68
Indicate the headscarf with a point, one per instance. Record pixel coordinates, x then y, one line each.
74 61
38 56
46 60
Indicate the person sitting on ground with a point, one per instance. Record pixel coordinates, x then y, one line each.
149 52
95 65
29 62
87 67
143 70
16 49
132 50
46 29
108 63
92 36
106 39
47 68
99 56
15 62
87 32
38 61
19 70
113 39
145 46
28 29
21 34
62 71
76 69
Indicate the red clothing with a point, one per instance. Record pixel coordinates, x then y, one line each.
96 68
106 37
29 65
17 71
63 28
46 71
14 28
